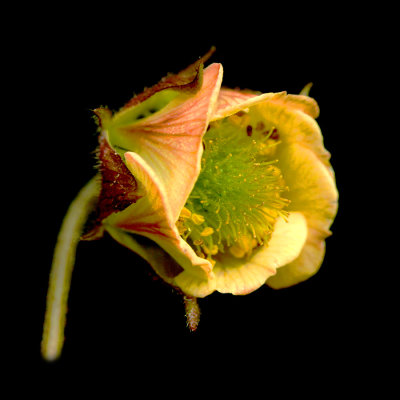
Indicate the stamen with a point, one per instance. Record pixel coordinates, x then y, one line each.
207 231
197 219
237 196
185 213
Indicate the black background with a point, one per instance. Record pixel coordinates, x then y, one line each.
121 317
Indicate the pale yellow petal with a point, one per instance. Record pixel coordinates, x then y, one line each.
192 285
244 275
292 115
304 266
312 188
312 192
300 102
294 126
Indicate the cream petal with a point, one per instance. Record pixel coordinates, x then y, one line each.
241 276
313 192
295 126
171 139
304 266
151 217
193 286
293 115
312 189
300 102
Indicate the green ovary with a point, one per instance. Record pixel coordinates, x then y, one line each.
236 198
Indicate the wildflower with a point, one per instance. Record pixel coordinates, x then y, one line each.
217 189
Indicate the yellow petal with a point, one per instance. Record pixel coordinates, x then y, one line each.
293 116
294 125
304 266
300 102
312 188
242 276
313 193
192 285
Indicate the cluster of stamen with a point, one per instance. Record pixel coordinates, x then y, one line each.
237 196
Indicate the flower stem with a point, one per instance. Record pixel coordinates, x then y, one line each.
61 269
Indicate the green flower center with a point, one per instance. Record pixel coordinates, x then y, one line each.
236 198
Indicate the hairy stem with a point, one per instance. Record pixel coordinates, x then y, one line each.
192 312
61 269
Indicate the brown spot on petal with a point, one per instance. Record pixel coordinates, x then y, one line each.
274 134
249 130
260 126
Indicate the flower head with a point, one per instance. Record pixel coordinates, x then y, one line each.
236 187
218 189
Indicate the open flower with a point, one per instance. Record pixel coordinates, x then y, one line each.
218 189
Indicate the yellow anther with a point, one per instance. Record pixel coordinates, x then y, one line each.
185 213
181 227
197 219
207 231
243 246
237 251
213 251
198 242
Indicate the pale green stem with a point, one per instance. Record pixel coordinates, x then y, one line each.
61 269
